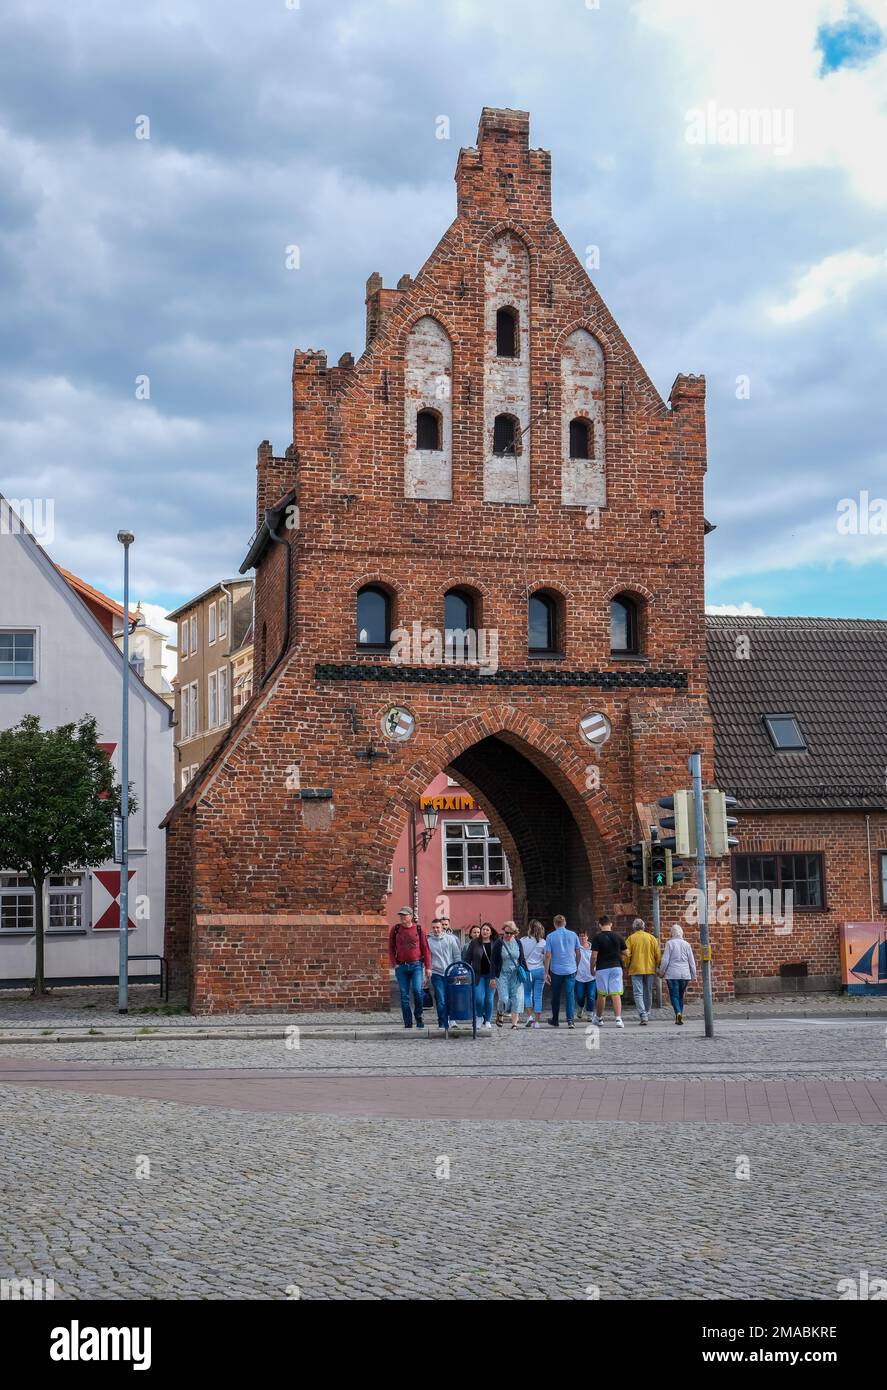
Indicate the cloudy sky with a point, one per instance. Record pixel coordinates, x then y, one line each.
275 123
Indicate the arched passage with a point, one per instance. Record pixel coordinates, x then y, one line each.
563 841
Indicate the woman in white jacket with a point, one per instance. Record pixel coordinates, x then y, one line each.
677 968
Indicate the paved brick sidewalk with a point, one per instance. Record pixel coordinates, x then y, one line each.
476 1098
247 1205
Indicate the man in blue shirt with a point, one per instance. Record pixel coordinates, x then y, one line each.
561 963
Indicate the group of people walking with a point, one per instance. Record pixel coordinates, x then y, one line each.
511 970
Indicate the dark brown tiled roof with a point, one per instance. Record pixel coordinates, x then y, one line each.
831 674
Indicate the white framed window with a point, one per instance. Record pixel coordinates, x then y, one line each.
211 633
472 856
18 654
193 771
186 777
183 638
185 711
16 903
223 696
194 634
223 617
65 902
212 703
194 721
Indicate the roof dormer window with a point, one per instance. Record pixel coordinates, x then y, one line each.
785 733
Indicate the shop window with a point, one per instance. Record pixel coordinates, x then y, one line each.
473 856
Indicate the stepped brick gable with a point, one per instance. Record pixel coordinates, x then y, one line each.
438 461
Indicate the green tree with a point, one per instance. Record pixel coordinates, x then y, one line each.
58 799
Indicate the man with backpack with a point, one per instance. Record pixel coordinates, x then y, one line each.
409 954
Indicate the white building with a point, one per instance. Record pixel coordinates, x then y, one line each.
59 661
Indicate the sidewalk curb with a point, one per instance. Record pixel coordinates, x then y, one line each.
345 1032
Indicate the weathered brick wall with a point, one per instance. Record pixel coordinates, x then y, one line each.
261 847
179 884
841 839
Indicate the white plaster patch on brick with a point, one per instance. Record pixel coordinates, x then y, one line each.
428 378
583 481
507 379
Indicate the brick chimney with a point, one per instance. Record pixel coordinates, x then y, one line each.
501 177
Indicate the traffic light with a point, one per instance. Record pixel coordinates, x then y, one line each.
718 824
674 869
658 864
638 863
683 823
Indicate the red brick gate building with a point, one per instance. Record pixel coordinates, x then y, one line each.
497 460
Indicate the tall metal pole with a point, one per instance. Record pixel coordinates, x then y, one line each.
657 932
695 764
126 539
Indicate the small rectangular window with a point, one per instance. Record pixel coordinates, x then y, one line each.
194 723
212 708
194 635
211 637
65 902
223 617
223 695
785 732
799 874
183 639
16 903
17 656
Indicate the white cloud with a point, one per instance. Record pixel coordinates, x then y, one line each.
735 610
831 281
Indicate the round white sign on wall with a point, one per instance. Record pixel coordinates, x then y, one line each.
595 729
398 724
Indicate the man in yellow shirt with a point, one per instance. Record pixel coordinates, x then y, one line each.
642 961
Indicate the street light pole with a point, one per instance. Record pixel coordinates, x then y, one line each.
126 539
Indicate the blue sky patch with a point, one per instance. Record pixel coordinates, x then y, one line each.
849 43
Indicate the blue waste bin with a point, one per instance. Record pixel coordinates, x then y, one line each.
459 995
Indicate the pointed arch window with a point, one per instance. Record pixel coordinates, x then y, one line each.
373 617
506 333
428 430
505 435
542 623
624 635
581 439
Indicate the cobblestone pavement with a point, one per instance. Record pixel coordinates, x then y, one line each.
97 1006
262 1206
753 1050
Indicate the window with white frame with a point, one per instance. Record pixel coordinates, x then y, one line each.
223 617
195 723
183 639
66 902
194 635
186 777
16 903
473 856
18 655
185 711
211 636
212 704
223 695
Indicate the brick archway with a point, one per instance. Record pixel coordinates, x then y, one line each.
567 839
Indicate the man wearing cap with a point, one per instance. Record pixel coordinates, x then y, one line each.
409 954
